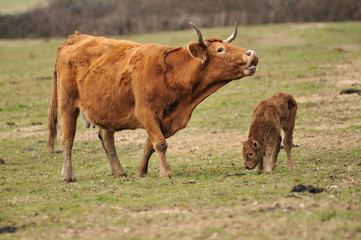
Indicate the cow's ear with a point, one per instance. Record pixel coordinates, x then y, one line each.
255 144
198 51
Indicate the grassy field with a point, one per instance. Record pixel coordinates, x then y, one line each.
205 200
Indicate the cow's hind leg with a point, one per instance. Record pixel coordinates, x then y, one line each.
143 165
68 128
107 138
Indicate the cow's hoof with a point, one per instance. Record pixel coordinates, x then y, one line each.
67 175
69 179
166 174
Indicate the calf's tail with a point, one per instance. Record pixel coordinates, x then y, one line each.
292 104
53 115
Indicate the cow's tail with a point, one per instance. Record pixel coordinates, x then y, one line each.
53 115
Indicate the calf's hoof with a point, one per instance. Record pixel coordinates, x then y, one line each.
268 170
291 166
120 174
141 174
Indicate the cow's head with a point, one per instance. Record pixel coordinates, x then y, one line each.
252 153
223 60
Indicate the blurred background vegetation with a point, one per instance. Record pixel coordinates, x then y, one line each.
59 18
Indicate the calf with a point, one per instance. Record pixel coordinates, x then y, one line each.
264 139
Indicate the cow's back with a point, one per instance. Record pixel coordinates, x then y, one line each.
92 71
82 50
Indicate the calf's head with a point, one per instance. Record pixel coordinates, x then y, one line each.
223 60
252 154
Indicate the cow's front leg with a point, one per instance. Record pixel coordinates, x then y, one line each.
156 137
143 165
164 170
107 138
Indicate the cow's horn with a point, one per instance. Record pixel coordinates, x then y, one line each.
234 34
200 38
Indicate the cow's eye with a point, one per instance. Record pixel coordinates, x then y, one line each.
250 154
220 49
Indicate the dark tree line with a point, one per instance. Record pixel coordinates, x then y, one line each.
115 17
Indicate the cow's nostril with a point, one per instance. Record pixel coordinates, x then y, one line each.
247 167
249 53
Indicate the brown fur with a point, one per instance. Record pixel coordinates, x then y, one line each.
264 139
125 85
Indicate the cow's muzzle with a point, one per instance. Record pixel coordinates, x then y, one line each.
253 58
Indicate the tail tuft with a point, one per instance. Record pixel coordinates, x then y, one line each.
53 116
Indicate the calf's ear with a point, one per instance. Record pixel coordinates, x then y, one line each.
198 51
255 144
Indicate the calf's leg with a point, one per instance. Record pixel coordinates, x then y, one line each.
276 150
272 150
68 128
288 139
268 155
142 169
287 142
107 138
260 165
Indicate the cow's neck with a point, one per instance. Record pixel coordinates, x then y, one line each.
202 84
204 90
190 79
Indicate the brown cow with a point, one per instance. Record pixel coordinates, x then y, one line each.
264 139
125 85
